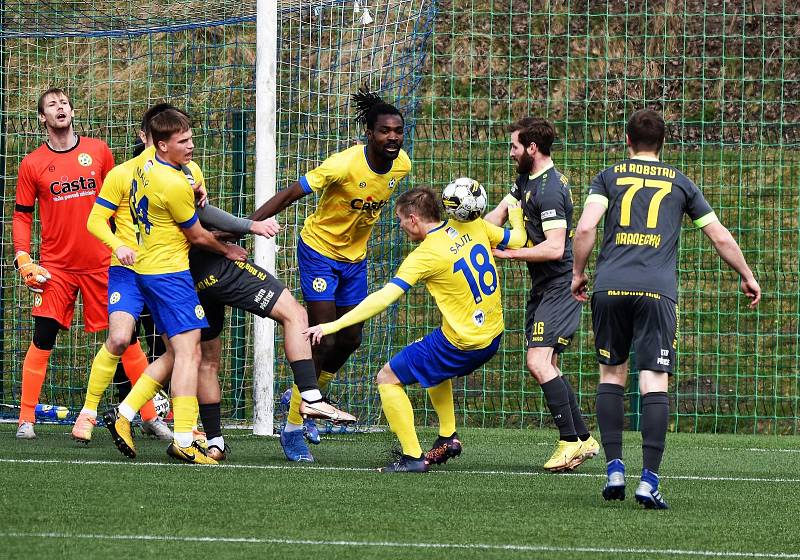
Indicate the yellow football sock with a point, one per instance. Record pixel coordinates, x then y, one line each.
442 400
294 407
144 390
185 411
294 417
400 415
103 367
325 378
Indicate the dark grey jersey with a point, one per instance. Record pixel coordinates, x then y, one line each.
546 204
646 201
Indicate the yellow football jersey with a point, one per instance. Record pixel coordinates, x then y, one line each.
113 201
351 202
162 202
455 262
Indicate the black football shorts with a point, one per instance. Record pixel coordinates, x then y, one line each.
648 321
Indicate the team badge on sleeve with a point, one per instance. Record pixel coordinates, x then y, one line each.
84 159
115 297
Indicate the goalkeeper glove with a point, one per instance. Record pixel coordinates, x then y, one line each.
32 274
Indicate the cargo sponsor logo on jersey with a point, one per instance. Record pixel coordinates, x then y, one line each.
368 204
319 285
663 360
549 214
84 159
65 186
199 312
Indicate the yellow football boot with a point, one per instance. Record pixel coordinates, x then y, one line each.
566 452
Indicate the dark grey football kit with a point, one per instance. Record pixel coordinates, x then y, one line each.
635 286
552 315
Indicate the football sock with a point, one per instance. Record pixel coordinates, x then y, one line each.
655 420
610 418
294 408
103 367
185 413
555 393
442 400
305 378
34 368
400 415
218 442
210 417
135 362
325 378
144 390
577 417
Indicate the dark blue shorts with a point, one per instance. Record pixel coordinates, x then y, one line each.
325 279
123 292
434 359
173 302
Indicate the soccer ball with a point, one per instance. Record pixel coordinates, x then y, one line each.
161 404
464 199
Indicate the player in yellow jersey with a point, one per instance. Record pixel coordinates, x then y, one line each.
354 186
454 259
125 301
162 202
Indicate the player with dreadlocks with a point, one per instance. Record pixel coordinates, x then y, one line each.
354 185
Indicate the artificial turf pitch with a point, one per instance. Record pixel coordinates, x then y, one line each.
730 497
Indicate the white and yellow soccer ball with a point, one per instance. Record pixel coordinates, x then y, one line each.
464 199
161 404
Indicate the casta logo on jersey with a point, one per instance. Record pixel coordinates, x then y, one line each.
367 205
80 184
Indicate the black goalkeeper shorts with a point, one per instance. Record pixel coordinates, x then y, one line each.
647 320
221 282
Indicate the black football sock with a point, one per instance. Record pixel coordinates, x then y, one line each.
577 417
555 393
610 418
305 376
210 417
655 420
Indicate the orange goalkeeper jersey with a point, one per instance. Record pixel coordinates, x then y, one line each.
65 184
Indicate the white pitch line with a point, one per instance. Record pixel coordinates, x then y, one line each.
413 545
374 470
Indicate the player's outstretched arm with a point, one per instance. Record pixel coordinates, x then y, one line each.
582 244
279 202
731 253
201 237
371 306
499 215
